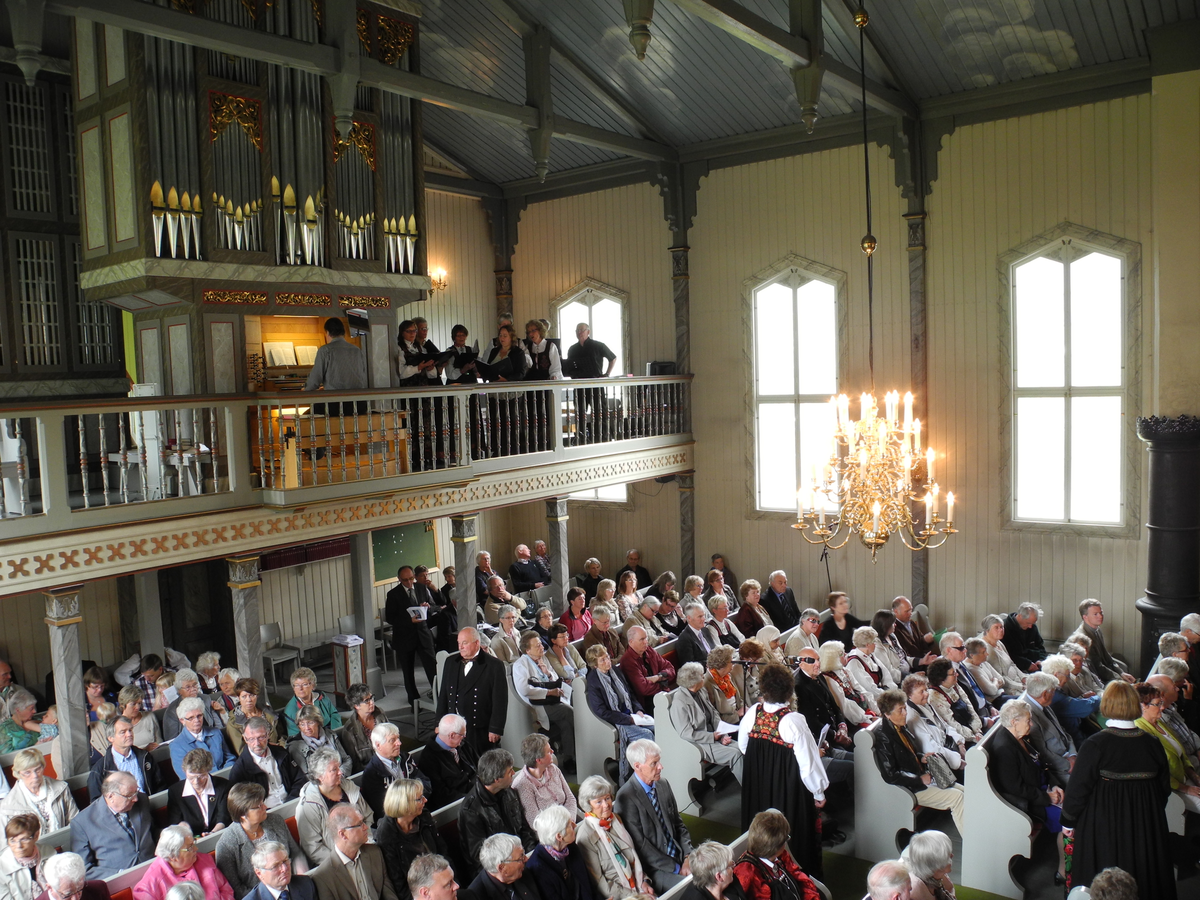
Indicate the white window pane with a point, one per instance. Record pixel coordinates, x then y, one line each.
774 344
612 492
1038 327
1096 459
817 425
1041 447
606 328
777 456
1095 322
816 336
569 316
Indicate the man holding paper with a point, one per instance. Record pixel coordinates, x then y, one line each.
409 609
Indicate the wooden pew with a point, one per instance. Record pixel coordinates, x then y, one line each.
881 810
994 831
596 741
681 760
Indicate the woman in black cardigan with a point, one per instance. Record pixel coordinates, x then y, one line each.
1020 777
407 832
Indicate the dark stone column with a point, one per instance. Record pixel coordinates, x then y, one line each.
466 545
556 543
682 291
1172 527
243 584
687 526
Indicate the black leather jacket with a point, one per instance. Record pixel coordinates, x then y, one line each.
897 764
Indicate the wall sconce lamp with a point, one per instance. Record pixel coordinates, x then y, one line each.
437 280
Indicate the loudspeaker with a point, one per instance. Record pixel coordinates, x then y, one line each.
660 367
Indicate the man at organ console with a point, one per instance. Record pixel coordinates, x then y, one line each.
339 366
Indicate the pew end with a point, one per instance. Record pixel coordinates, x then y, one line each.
995 832
881 810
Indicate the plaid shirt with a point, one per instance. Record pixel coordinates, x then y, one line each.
149 689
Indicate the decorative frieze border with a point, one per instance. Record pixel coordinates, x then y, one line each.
50 561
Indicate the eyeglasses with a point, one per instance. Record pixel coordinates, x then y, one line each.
811 619
125 796
1158 704
959 647
67 896
809 659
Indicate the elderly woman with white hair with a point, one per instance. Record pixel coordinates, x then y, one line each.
327 786
606 844
1074 713
1086 676
870 678
13 733
727 632
548 695
557 864
854 706
177 860
712 874
699 723
34 792
929 857
992 634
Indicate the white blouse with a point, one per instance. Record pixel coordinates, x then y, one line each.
793 728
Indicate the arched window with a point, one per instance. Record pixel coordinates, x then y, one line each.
1071 360
795 372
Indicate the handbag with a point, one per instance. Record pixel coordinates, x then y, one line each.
940 770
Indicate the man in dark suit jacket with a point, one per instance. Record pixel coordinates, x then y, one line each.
114 833
659 836
524 572
914 635
65 873
502 875
121 743
696 641
268 861
411 637
474 685
246 769
492 807
186 808
449 761
333 878
779 601
633 560
389 762
1022 639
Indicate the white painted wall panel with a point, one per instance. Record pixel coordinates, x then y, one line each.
459 242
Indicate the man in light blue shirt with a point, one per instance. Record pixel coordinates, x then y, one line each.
195 736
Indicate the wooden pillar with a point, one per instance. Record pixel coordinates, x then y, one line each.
63 618
919 361
556 541
681 288
687 526
362 591
462 535
243 584
149 614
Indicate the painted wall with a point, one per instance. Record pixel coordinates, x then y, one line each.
1001 184
618 237
25 637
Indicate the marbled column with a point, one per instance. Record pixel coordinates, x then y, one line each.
243 585
560 567
63 618
149 613
687 525
362 591
919 360
462 535
682 293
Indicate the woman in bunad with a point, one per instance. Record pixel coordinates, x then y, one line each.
868 676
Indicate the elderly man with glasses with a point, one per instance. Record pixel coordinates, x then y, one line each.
274 872
114 832
954 648
355 870
66 879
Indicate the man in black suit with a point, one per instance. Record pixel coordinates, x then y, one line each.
200 800
779 601
411 637
264 764
524 574
114 832
474 685
274 871
122 756
695 641
502 871
647 807
389 762
449 761
633 563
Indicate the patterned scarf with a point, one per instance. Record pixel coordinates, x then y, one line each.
724 682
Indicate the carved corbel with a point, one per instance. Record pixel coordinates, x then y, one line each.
342 26
27 19
805 21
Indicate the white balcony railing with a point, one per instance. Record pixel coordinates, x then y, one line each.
68 466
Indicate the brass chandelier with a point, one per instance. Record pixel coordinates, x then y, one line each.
876 471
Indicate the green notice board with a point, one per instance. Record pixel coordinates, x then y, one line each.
414 544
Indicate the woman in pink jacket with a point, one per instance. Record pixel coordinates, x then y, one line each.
178 860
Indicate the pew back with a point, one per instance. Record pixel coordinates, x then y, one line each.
994 831
881 810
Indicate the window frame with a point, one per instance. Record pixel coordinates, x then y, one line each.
584 288
1066 243
794 270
